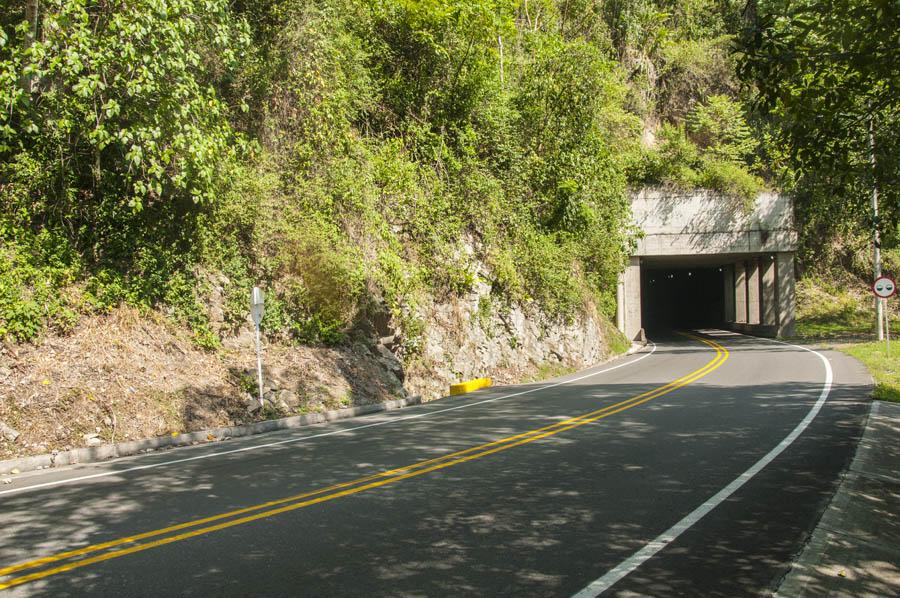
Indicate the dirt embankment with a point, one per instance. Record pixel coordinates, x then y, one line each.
130 375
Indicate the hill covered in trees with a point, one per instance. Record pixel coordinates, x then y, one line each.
338 151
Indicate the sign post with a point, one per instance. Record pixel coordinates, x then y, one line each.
884 287
887 328
257 300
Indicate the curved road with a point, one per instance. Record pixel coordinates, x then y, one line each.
697 467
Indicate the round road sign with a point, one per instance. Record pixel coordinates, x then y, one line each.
884 287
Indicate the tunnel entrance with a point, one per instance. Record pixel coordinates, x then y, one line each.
679 297
705 260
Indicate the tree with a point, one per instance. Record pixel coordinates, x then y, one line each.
718 126
116 104
825 70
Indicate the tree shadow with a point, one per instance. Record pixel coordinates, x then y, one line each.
539 519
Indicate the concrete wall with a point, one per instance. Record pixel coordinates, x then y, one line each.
630 282
754 246
784 293
707 223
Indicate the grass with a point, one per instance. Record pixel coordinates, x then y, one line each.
618 344
884 368
549 370
826 310
844 315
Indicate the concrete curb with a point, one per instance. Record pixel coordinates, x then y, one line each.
803 566
134 447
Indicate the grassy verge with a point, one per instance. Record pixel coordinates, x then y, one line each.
548 371
843 316
827 309
884 368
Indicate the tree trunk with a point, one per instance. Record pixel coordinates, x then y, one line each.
31 16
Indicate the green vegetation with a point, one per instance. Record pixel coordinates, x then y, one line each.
350 156
828 87
357 156
827 309
618 343
841 313
713 151
548 371
884 368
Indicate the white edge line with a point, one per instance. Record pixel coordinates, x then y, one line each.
322 435
600 585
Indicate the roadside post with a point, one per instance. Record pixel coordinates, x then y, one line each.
884 288
257 301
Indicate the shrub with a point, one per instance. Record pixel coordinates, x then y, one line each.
673 162
319 281
720 129
731 180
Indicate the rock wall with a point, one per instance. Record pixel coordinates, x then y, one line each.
471 337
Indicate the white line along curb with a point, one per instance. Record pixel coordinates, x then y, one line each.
600 585
332 433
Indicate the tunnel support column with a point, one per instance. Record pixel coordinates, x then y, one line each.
728 281
740 293
768 295
753 294
628 299
784 263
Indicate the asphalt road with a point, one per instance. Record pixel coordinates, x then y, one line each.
508 491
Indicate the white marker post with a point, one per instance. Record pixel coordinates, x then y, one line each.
884 287
887 327
257 299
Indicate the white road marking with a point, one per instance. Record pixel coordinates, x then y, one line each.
104 474
600 585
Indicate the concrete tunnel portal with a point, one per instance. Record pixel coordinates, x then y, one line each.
705 261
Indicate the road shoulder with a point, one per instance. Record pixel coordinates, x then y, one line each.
854 549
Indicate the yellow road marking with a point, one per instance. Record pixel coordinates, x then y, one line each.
93 548
351 487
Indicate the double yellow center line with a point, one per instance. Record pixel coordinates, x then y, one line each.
82 557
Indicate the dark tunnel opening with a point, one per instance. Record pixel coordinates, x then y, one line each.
674 298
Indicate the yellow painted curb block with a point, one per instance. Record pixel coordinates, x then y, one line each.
469 386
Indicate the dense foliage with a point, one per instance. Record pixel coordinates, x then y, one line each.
349 155
826 74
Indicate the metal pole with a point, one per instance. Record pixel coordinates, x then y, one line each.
887 328
876 237
259 365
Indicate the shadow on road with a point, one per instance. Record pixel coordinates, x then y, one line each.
539 519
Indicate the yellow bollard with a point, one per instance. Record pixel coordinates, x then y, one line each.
469 386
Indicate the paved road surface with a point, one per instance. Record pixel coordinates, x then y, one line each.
518 491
